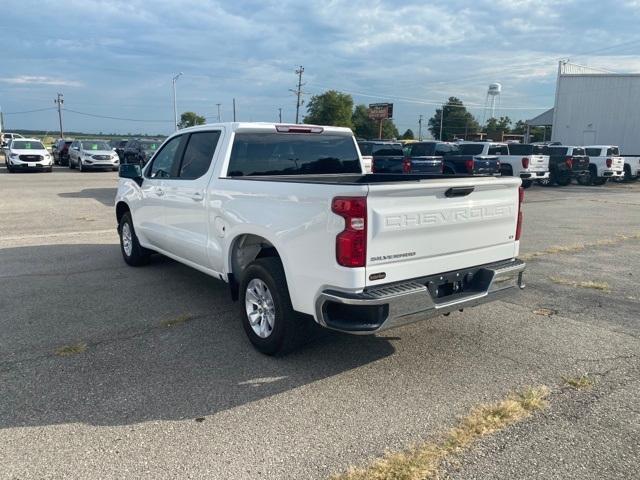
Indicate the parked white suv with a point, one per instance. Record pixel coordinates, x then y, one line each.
286 215
90 154
27 154
605 162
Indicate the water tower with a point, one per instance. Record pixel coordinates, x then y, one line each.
493 99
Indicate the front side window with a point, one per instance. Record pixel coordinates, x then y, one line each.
292 154
198 154
165 163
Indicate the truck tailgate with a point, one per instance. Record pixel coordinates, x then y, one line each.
431 226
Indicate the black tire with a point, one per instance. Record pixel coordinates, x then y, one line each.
448 171
585 179
627 173
9 168
71 165
138 255
544 182
599 181
80 167
564 180
49 170
290 329
527 183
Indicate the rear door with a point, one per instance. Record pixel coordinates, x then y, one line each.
437 226
185 202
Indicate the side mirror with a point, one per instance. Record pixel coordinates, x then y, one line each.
132 171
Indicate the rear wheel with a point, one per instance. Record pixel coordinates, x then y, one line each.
527 183
133 253
71 166
564 180
268 318
599 181
585 179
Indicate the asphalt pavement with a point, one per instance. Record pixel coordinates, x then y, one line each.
165 384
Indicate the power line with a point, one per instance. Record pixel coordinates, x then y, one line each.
30 111
116 118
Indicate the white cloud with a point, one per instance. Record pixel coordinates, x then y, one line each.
40 80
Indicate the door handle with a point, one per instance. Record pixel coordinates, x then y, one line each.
159 192
197 196
458 191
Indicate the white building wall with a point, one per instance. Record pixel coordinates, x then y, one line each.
598 109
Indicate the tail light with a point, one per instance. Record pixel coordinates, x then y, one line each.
469 165
525 162
519 224
406 165
609 162
569 162
351 243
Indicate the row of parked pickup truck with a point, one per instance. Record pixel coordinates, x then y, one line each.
544 163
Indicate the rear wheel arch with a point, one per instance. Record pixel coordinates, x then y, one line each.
245 248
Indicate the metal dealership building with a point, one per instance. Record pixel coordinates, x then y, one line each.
594 107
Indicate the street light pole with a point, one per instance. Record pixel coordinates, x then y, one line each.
280 114
218 105
175 107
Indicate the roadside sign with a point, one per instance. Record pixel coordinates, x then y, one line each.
380 111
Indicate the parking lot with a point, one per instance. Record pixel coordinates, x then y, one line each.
164 384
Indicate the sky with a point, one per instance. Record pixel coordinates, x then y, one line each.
116 58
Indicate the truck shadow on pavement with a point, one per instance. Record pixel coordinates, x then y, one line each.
106 196
163 342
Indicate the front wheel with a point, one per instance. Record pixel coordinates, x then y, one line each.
268 318
71 166
80 166
133 253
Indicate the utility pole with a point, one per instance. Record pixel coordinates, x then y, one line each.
280 114
298 92
218 105
175 107
59 101
420 128
234 109
441 120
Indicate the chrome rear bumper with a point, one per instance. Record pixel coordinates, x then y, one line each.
388 306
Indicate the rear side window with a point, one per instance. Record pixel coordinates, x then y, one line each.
165 163
198 154
446 149
292 154
540 150
580 151
613 151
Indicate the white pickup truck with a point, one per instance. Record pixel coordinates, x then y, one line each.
286 215
605 162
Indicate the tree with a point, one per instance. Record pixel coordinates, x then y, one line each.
330 108
190 119
457 121
537 134
364 127
408 135
495 127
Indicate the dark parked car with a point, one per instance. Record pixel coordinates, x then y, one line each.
565 163
120 145
60 151
476 158
422 157
140 151
386 157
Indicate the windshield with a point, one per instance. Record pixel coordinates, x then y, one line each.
388 149
26 145
470 149
95 146
150 146
299 154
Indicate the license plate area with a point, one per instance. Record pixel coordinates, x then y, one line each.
449 286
